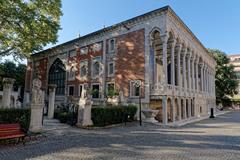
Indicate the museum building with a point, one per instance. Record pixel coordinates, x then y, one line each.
175 71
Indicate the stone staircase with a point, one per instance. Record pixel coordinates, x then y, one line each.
54 127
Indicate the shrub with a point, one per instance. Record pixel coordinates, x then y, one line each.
63 117
22 116
102 116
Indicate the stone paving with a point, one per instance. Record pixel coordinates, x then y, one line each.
211 139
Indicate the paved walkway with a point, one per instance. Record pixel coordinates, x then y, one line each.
211 139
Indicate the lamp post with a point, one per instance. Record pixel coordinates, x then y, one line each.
137 84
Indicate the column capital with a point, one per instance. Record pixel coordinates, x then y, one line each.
164 37
52 87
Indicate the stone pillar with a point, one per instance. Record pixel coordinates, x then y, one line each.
202 77
7 92
172 64
165 39
184 70
37 103
179 82
189 72
193 74
51 100
102 76
197 84
26 99
180 109
189 108
173 109
164 110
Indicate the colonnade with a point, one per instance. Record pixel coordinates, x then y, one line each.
187 74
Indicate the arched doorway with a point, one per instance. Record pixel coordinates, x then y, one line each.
57 75
170 110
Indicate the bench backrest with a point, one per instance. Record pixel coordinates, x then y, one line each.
10 127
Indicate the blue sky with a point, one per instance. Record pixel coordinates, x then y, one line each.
216 23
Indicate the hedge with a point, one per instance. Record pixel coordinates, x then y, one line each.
102 116
66 117
22 116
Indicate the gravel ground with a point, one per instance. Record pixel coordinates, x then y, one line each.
211 139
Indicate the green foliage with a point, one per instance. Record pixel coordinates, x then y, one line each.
11 70
102 116
63 117
28 25
111 93
226 83
22 116
66 117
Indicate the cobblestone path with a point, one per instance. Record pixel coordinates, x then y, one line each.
211 139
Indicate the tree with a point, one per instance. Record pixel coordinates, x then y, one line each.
28 25
225 78
11 70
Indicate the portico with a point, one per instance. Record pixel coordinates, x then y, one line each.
183 77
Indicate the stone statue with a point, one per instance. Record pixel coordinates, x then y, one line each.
37 94
84 110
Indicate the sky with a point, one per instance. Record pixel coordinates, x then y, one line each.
216 23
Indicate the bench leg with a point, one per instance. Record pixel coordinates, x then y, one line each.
23 140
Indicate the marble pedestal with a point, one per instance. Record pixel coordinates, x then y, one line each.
150 115
36 117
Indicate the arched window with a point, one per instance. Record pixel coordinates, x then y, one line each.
57 75
96 69
111 45
83 71
71 74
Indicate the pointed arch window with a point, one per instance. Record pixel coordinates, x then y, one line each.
57 75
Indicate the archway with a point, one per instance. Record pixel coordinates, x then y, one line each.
187 110
169 60
156 60
57 75
169 110
182 109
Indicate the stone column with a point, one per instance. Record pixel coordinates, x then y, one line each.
173 109
197 84
37 103
7 92
180 109
165 39
202 77
184 70
164 110
189 108
179 82
193 75
51 100
103 77
172 63
189 72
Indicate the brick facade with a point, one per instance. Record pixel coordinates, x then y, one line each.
130 63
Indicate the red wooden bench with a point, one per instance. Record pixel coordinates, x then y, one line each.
11 131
